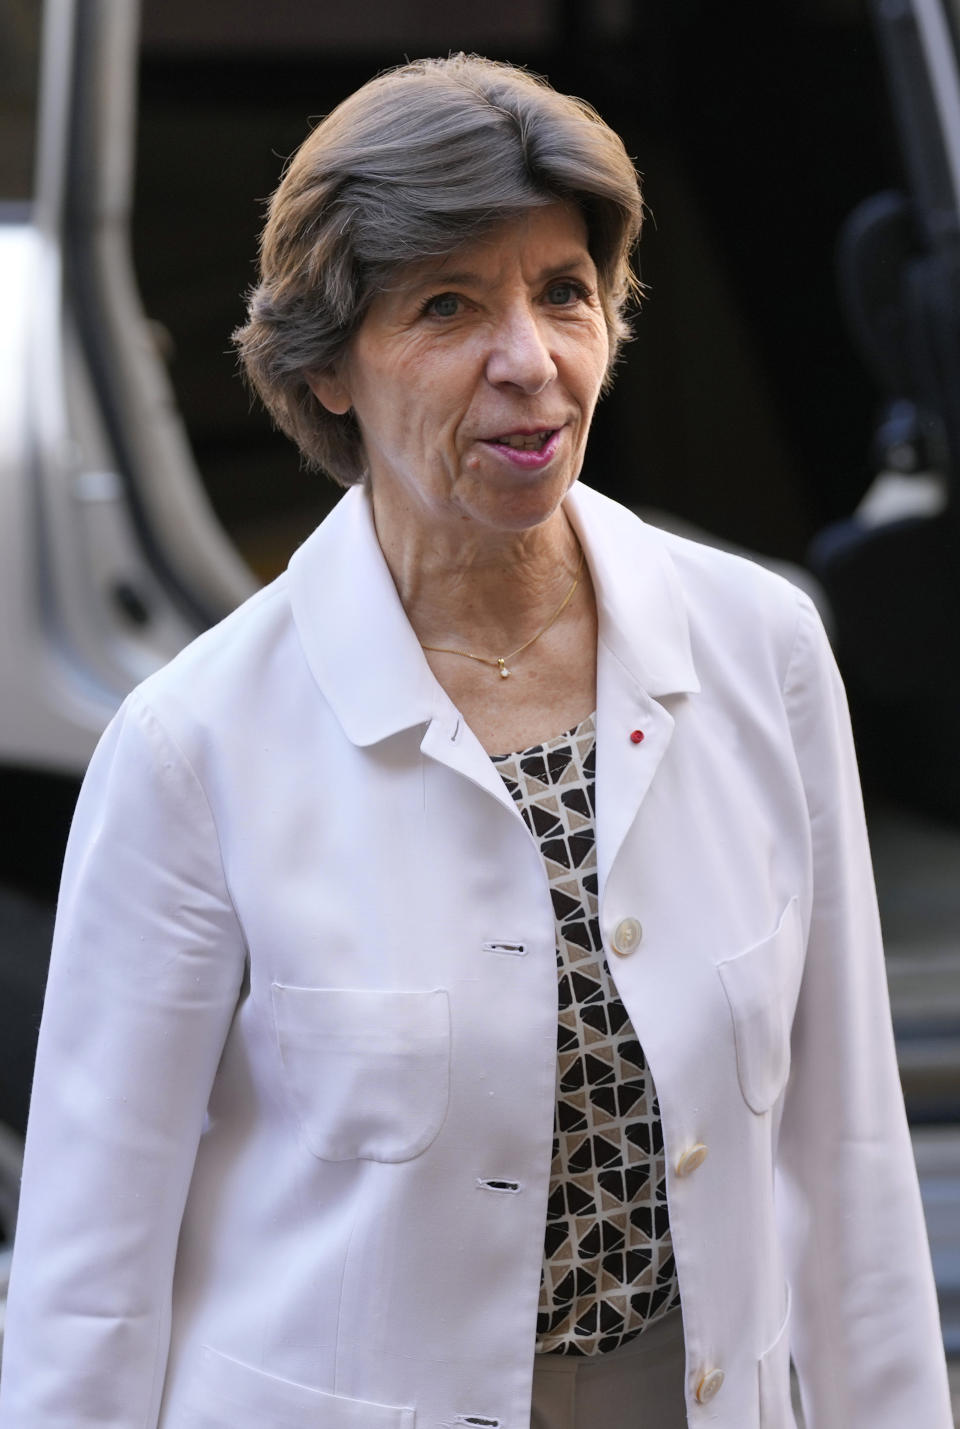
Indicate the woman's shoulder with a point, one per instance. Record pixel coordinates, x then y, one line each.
735 576
752 615
724 590
214 682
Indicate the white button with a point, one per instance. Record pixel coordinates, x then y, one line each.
693 1157
626 936
709 1386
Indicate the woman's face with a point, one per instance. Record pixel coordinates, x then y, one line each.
474 378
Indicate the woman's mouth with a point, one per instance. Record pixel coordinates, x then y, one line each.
530 450
525 441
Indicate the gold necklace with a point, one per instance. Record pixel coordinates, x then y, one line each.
499 662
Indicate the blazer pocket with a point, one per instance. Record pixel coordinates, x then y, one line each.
776 1406
367 1071
762 985
223 1393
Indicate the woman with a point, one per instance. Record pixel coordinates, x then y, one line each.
306 1145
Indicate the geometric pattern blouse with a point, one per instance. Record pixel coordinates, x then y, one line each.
608 1266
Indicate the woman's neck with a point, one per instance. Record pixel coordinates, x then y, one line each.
476 589
472 590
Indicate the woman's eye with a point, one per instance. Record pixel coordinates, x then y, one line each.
565 292
442 305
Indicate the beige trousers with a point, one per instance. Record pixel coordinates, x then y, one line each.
639 1386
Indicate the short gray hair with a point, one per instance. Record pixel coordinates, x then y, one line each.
417 162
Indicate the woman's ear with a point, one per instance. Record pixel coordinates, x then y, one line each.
330 391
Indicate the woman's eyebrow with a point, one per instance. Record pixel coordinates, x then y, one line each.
581 261
470 278
441 275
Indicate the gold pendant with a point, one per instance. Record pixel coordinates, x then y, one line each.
504 672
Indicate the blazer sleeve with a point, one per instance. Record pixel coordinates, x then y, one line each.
865 1336
146 969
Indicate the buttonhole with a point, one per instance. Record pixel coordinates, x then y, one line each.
516 950
476 1419
509 1186
456 731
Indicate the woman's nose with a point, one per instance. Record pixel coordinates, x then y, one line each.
520 354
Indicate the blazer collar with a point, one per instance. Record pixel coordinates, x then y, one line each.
642 612
367 660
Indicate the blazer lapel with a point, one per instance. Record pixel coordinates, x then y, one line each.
363 652
358 642
643 658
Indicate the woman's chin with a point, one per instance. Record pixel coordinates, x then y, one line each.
528 501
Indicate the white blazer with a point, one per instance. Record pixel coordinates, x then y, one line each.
302 1012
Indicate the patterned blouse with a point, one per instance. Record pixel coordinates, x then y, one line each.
608 1266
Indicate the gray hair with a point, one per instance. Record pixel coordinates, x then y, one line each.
417 162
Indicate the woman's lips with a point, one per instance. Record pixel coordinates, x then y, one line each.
528 450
